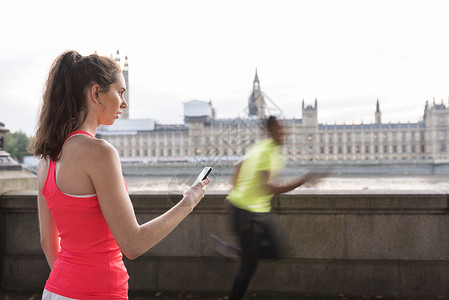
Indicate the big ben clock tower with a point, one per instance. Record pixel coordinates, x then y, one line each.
256 102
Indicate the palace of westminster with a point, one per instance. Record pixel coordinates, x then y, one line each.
204 137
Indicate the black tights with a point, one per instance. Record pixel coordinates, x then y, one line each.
256 242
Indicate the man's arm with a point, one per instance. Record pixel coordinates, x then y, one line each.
284 187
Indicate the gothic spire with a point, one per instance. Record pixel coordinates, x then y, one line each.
378 115
126 64
256 78
117 57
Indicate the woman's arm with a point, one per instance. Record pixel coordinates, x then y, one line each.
48 231
105 171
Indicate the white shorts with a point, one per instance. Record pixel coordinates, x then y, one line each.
46 295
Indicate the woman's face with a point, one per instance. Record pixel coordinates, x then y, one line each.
113 101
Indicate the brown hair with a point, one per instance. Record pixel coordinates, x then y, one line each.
64 106
271 122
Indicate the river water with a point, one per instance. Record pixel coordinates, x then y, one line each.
221 183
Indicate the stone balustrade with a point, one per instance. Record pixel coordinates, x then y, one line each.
359 243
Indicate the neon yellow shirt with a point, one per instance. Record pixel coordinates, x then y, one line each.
248 193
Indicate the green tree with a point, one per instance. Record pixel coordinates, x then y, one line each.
16 145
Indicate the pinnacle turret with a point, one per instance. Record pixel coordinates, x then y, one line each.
256 78
378 115
117 57
125 68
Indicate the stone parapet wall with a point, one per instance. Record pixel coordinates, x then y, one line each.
16 180
364 243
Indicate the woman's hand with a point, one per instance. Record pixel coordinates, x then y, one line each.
193 195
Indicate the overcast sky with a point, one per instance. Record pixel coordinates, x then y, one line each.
346 54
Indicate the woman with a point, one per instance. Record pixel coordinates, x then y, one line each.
86 217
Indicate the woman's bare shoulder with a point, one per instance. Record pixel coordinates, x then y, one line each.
88 145
100 144
102 165
98 151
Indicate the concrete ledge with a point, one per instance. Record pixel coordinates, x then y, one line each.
360 243
16 179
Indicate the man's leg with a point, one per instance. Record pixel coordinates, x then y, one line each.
269 242
224 248
249 259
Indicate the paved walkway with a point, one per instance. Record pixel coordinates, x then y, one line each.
15 295
32 295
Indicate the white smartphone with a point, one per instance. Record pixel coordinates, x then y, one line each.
203 175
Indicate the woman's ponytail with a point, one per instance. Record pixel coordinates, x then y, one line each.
64 106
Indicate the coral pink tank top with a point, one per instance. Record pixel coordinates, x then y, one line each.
89 264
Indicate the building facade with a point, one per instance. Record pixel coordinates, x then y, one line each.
204 137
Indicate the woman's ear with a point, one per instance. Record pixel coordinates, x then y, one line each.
94 93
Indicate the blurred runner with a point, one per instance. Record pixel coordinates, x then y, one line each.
250 204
